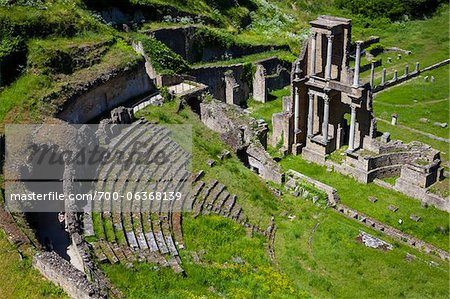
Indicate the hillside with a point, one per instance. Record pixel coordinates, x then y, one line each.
247 236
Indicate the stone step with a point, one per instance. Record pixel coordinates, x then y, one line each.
101 257
196 191
151 240
221 201
107 250
173 262
201 201
132 240
161 242
209 204
177 230
228 206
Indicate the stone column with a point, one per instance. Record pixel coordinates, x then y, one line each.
383 76
329 55
313 53
296 109
357 62
310 114
326 116
372 73
395 76
406 70
417 67
351 140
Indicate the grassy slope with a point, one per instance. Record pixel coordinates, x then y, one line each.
355 195
336 265
427 39
417 99
19 279
331 263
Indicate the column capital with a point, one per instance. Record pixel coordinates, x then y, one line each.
310 93
313 34
330 36
353 106
358 43
326 98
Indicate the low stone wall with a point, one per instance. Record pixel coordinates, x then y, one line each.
392 232
422 194
333 197
411 75
62 273
105 93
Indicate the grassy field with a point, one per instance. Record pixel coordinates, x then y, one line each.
427 39
319 251
19 279
433 227
418 99
266 110
235 264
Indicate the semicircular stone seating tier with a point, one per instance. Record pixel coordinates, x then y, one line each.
151 231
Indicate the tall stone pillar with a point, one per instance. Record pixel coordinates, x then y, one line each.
372 73
351 140
395 76
313 53
417 67
357 63
329 56
296 109
383 76
326 116
406 70
310 114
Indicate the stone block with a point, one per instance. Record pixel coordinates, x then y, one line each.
211 162
393 208
424 120
386 137
414 218
372 199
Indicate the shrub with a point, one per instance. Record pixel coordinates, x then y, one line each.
393 9
12 54
376 49
163 59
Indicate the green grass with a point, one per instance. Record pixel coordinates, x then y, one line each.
427 39
219 243
266 110
417 99
283 55
331 263
355 195
19 278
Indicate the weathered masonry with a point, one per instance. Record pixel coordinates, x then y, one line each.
326 92
330 109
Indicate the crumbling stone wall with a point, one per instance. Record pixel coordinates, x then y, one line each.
225 83
271 74
244 135
392 232
105 93
61 272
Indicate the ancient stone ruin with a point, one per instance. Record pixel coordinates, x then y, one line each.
330 108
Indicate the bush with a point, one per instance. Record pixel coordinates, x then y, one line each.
393 9
375 49
12 55
163 59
